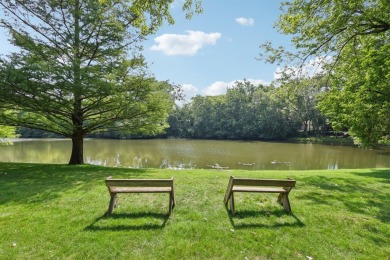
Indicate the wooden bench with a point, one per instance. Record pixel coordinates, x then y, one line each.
283 187
116 186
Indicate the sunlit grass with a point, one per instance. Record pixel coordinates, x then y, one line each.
58 211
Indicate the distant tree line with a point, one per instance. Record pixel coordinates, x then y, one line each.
248 111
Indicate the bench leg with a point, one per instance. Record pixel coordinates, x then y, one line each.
113 203
284 201
232 203
171 202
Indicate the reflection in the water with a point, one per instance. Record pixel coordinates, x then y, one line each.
191 154
334 166
165 164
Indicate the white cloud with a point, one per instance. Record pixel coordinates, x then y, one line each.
177 4
245 21
189 91
220 87
257 82
184 44
217 88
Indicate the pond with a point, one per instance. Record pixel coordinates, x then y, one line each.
198 154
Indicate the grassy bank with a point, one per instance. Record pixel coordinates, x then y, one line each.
330 140
57 211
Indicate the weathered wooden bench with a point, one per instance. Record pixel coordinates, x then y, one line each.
116 186
283 187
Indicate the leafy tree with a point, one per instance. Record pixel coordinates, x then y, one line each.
5 133
219 115
245 112
208 118
181 122
361 100
253 113
326 27
79 70
352 37
241 110
300 99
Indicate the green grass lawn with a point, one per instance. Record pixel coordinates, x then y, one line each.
58 212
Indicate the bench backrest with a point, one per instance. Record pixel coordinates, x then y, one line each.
263 182
139 182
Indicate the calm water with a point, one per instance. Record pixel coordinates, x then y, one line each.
198 154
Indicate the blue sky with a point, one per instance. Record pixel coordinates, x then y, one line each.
214 49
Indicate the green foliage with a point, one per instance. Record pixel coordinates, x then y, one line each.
203 117
361 101
353 38
326 27
208 117
57 211
245 112
5 133
79 70
253 113
300 99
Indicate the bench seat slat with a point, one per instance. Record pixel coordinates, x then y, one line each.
140 189
263 182
139 182
258 189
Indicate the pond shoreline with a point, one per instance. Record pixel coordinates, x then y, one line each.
182 154
327 140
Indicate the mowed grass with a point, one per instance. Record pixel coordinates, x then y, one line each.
58 212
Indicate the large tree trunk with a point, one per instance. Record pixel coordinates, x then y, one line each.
77 156
77 117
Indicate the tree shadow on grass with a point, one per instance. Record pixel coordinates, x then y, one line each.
263 219
383 174
129 221
38 183
357 196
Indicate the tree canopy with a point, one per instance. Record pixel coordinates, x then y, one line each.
248 111
352 39
6 132
79 69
